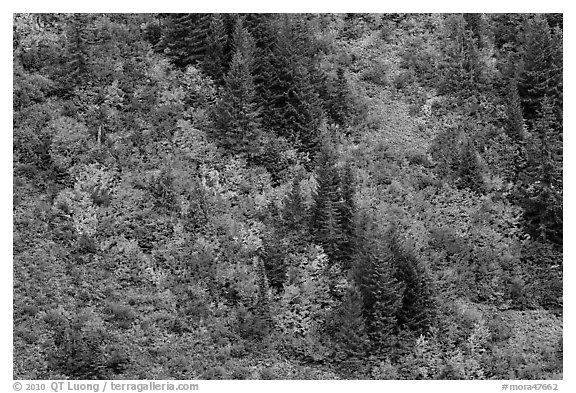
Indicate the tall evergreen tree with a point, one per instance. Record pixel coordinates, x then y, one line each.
215 63
78 41
237 115
469 169
347 210
543 184
375 273
475 24
329 233
263 305
505 29
461 68
184 38
261 27
541 75
388 293
294 212
417 310
325 217
515 127
293 109
339 100
351 335
82 36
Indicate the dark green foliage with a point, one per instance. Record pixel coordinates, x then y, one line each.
177 213
215 63
542 179
79 351
237 115
543 265
197 215
339 104
121 315
396 288
387 293
444 150
469 169
294 212
381 291
457 159
293 109
86 244
162 190
541 73
332 217
347 210
515 121
274 255
184 38
261 27
475 23
506 28
78 47
351 336
417 311
461 69
263 305
329 232
326 222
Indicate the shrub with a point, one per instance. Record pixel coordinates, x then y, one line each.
377 73
78 351
122 315
403 79
240 372
268 373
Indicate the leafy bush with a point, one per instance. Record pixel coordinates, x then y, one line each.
377 73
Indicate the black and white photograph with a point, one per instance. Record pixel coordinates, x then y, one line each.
287 196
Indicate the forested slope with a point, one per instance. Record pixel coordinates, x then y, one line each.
268 196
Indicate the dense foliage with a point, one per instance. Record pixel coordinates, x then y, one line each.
265 196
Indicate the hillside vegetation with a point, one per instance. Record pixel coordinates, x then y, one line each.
262 196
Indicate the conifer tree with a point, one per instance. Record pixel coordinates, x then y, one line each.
293 109
543 177
339 105
351 336
374 271
273 256
325 217
541 73
329 234
263 304
417 310
216 60
469 169
81 36
460 64
506 30
197 40
237 115
78 41
260 27
388 293
475 24
294 212
184 38
347 210
515 126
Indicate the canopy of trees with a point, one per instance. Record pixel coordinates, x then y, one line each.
278 196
